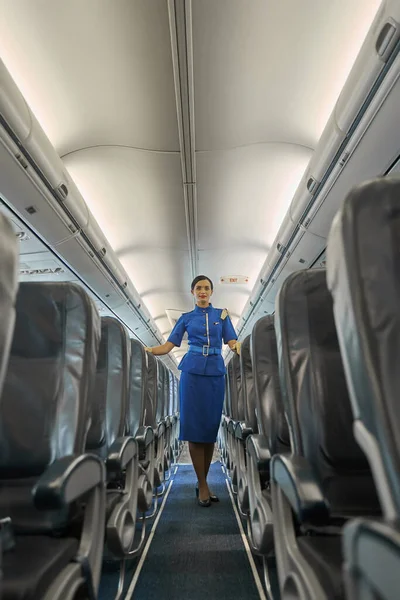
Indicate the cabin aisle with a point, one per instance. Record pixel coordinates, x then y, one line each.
196 553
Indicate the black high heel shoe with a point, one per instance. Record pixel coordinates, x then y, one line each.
204 503
213 497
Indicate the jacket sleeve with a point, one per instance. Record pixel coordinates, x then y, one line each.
228 331
178 332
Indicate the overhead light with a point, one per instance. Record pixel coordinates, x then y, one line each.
234 279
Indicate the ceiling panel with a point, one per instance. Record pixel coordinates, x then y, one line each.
272 70
95 71
137 199
243 195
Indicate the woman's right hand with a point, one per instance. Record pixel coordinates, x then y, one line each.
160 350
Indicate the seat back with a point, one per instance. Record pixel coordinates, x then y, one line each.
8 290
165 412
270 412
174 394
44 413
363 275
171 393
315 393
176 398
235 389
109 399
226 406
152 391
160 391
248 392
137 387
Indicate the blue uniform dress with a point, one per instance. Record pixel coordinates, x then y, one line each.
202 383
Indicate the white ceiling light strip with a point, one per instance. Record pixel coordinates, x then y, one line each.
180 23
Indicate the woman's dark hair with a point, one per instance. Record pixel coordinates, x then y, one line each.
201 278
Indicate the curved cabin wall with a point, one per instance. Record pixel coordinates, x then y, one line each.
360 141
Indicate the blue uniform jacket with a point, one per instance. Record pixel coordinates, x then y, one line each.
205 327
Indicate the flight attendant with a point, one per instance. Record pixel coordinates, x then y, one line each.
202 383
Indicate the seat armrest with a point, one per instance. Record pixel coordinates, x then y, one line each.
160 429
232 426
144 436
242 432
68 479
372 555
294 476
258 452
122 451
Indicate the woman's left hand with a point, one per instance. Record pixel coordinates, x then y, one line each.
236 348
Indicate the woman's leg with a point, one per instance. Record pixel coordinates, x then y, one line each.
209 452
198 456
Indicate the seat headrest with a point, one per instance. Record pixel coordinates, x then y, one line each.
152 391
176 400
270 411
311 371
110 395
166 391
44 413
171 393
160 390
137 387
8 290
248 393
363 263
235 388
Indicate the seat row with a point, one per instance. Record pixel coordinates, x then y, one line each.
88 435
310 434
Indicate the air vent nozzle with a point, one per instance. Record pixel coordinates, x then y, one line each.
62 191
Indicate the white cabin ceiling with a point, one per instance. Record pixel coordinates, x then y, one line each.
98 75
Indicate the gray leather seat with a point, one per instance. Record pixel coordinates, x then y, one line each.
162 425
152 416
246 427
363 276
8 290
327 479
107 437
175 420
272 438
223 430
167 418
170 456
144 435
53 493
223 434
237 415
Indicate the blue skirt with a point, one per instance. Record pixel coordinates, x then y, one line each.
201 401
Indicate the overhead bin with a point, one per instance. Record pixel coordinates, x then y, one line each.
41 190
23 123
377 49
370 152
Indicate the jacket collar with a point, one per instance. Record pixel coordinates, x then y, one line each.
199 309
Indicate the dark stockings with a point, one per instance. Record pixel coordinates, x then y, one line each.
201 455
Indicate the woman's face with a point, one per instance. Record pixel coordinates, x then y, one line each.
202 292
